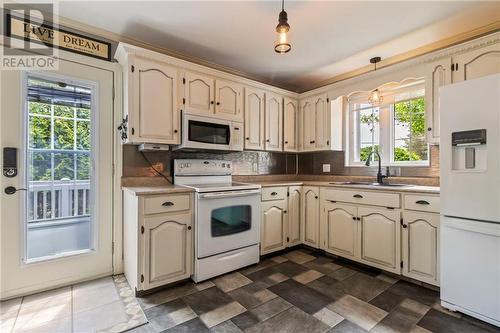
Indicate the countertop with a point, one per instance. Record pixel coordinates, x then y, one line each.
163 189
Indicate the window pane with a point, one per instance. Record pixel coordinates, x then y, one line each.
83 167
39 132
63 133
82 135
40 166
83 113
64 166
39 108
63 111
369 132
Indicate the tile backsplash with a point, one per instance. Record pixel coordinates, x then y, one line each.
268 163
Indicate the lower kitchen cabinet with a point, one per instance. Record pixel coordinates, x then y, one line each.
273 225
158 239
310 216
379 232
339 232
294 209
420 246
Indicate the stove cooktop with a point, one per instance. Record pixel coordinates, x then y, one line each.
220 187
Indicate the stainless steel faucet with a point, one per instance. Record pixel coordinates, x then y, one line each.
380 176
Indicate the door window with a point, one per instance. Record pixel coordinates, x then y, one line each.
231 220
204 132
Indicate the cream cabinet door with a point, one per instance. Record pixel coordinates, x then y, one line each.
294 216
199 93
273 226
167 241
340 229
274 122
379 235
310 216
155 100
438 74
308 125
322 120
254 119
291 125
420 246
228 100
477 63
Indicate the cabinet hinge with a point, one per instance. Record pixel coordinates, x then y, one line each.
142 278
401 264
327 100
112 247
287 194
401 221
183 100
132 68
132 130
142 229
288 239
183 80
452 67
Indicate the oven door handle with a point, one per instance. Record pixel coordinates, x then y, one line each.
231 194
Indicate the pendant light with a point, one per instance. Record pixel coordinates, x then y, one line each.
282 45
375 97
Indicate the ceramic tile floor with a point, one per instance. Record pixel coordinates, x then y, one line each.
302 291
95 306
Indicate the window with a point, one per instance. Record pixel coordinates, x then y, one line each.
395 128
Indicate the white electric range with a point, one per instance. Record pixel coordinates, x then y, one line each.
227 217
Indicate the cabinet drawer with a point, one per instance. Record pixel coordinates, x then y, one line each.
274 193
363 197
424 203
166 203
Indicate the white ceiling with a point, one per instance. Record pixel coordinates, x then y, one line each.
328 38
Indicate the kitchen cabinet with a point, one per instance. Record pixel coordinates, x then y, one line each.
308 125
420 246
294 215
254 119
477 63
273 226
321 118
439 74
151 101
310 216
274 122
199 93
158 239
228 100
379 232
339 234
291 125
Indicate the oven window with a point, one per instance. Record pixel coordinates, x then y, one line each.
231 220
200 131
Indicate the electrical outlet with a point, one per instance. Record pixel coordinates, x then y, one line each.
326 167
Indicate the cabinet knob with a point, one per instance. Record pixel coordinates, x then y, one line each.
429 129
175 131
167 204
354 218
284 211
267 140
311 141
405 226
247 138
189 227
316 197
218 103
286 141
274 193
211 102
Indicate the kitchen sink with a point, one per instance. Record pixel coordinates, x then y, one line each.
370 184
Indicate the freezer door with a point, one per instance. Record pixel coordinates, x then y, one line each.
470 171
470 266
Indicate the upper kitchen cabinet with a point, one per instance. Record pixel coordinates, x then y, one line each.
482 62
291 125
199 93
438 74
308 125
151 110
228 100
274 122
254 118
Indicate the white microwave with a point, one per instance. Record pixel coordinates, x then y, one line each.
203 132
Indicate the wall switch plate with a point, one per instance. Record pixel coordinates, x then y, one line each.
326 167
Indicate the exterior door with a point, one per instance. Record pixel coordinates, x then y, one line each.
273 226
274 122
59 229
310 215
294 209
380 237
291 127
254 119
228 98
340 229
199 93
156 99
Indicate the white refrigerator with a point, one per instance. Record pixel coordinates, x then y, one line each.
470 197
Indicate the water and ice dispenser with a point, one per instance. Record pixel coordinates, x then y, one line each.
469 152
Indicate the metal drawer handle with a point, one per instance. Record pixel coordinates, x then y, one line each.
274 193
359 196
422 202
167 204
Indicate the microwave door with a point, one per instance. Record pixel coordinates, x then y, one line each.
208 135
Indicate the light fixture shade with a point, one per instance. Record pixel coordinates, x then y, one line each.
282 44
375 97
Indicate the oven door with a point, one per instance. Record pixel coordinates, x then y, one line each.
227 221
205 133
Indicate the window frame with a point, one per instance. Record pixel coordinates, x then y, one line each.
386 126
